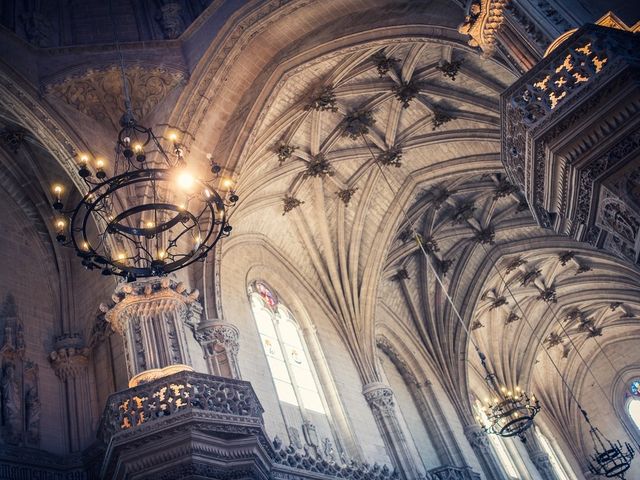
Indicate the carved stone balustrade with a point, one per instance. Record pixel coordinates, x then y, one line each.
195 425
452 473
288 461
185 422
571 138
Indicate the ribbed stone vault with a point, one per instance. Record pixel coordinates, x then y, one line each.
338 242
341 227
530 298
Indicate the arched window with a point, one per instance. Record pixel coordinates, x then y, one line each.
498 446
302 402
633 405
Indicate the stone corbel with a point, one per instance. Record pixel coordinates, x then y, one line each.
482 22
69 357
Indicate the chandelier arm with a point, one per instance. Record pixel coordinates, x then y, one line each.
602 463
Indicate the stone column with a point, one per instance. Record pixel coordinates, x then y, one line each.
220 343
380 399
156 318
70 362
479 442
436 423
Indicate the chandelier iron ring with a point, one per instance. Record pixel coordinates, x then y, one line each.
181 233
518 419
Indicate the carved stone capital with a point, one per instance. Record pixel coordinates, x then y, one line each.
219 333
380 398
151 296
482 22
69 357
543 463
153 316
477 437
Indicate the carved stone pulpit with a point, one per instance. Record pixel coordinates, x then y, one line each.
571 137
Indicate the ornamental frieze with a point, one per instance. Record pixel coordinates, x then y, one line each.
98 93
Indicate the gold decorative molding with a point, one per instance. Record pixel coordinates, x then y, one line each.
482 22
98 93
609 20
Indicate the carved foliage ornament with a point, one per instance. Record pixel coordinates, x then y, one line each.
482 22
381 401
98 93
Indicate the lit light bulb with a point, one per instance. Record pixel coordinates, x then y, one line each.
161 254
57 189
504 389
227 183
84 159
173 137
185 180
60 224
99 164
85 245
137 148
150 224
121 256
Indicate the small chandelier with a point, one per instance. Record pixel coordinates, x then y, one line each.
150 218
610 460
509 413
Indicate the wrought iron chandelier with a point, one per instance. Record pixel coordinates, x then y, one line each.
509 413
152 216
610 460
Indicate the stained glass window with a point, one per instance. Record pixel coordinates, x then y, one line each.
265 292
635 388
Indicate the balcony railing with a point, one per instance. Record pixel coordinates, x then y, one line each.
177 393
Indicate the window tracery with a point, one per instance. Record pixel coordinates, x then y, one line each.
292 369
